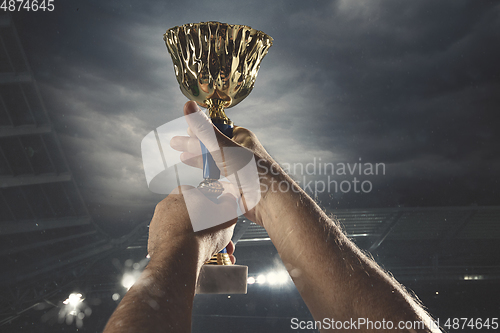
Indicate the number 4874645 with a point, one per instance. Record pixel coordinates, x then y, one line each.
471 323
27 5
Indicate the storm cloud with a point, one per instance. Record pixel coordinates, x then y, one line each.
414 85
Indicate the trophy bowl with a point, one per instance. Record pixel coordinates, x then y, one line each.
216 64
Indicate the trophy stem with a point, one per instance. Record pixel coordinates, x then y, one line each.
216 111
221 258
211 185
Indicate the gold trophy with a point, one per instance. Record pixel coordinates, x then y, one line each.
216 65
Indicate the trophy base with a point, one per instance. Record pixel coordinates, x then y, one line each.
222 279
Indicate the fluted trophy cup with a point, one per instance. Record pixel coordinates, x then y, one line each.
216 65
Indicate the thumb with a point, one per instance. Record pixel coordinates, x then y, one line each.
202 127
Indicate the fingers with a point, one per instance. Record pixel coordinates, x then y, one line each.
227 201
191 134
201 127
230 248
192 160
185 143
230 251
190 146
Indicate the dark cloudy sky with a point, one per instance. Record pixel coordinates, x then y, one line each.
412 84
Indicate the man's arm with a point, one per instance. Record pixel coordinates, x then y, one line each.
162 298
335 278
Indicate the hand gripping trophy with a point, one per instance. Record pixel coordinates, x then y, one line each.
216 65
